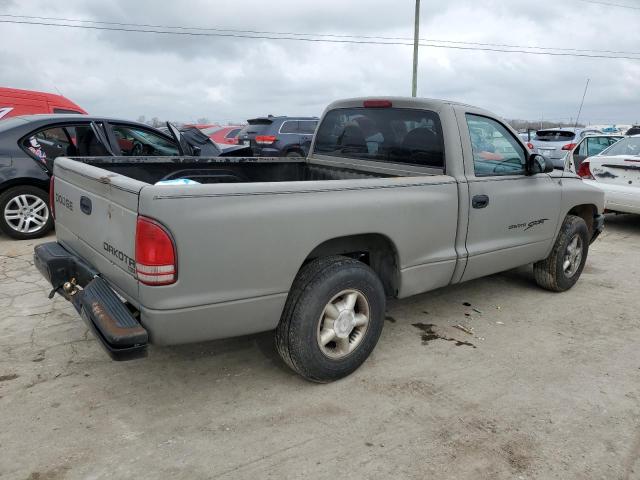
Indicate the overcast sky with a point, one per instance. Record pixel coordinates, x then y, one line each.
186 77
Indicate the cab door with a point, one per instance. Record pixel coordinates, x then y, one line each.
512 215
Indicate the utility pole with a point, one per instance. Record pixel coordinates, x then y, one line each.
416 39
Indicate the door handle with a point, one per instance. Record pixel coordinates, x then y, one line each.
480 201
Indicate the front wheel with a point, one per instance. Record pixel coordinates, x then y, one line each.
562 268
332 319
24 212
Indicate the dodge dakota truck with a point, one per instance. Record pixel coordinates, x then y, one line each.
398 196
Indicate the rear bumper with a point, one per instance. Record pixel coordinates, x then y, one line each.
619 198
266 152
119 332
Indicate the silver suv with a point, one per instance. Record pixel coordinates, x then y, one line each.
555 143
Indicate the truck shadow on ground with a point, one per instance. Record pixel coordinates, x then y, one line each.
259 350
623 223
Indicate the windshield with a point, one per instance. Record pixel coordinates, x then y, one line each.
626 146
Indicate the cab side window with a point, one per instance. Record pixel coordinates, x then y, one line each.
138 142
495 149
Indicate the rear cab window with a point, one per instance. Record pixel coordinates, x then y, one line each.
394 135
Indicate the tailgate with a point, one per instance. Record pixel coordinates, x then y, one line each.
96 212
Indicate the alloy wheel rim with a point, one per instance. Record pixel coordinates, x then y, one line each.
343 324
572 256
26 213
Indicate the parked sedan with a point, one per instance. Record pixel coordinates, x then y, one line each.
616 171
29 145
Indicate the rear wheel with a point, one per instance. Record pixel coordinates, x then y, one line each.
294 154
332 319
24 212
562 268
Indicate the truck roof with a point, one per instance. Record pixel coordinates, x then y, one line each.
398 101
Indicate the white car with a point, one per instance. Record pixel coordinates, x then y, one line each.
616 171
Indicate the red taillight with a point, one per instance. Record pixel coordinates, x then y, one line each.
530 146
155 253
377 104
584 171
266 139
569 146
52 197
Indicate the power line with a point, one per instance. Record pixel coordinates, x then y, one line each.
314 35
317 40
609 4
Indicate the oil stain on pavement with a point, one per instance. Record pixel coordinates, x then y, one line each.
429 334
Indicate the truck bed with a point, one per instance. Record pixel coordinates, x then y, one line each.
229 170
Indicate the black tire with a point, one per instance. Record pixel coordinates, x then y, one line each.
294 154
550 273
6 198
315 286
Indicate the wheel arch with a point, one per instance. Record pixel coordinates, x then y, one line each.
19 181
374 249
294 149
587 212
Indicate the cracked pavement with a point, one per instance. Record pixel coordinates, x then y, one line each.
551 390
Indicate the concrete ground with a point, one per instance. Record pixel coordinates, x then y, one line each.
546 386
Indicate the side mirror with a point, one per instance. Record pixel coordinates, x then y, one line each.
196 151
539 164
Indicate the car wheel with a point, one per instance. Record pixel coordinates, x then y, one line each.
562 268
24 212
293 155
332 319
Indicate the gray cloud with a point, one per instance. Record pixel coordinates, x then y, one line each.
184 78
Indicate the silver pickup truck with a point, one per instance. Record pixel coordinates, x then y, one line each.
398 196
